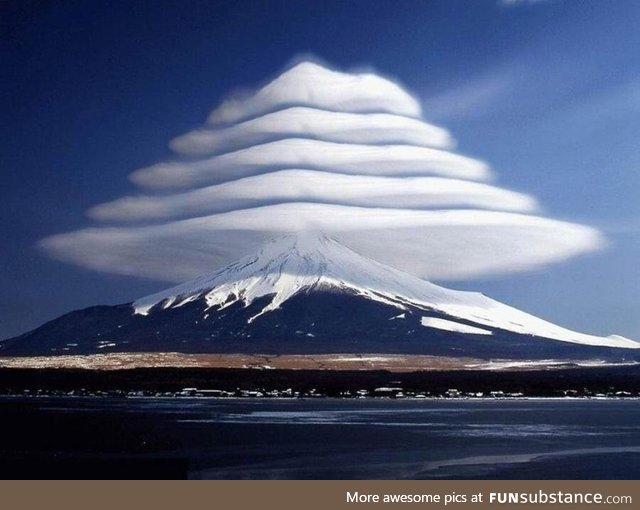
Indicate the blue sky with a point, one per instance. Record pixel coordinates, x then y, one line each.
548 92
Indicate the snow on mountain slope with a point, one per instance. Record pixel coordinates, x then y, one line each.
290 264
435 322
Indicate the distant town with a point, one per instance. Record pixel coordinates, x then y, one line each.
383 392
620 382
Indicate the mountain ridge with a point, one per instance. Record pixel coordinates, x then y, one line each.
311 294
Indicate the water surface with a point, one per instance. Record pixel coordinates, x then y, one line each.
319 439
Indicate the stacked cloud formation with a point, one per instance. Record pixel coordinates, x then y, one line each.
321 150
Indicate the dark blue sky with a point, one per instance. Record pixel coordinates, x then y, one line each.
548 92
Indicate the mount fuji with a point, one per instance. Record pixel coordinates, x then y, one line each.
310 294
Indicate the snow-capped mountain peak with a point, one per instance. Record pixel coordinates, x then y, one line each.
285 266
295 263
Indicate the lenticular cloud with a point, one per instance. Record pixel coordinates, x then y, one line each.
349 158
309 84
324 151
371 128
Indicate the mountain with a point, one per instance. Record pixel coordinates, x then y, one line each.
310 294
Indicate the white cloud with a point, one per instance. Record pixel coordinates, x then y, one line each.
310 84
373 128
313 186
345 158
410 205
433 244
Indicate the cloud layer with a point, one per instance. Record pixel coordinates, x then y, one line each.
313 186
433 244
348 158
326 151
372 128
310 84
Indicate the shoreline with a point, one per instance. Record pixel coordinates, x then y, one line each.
325 398
397 363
